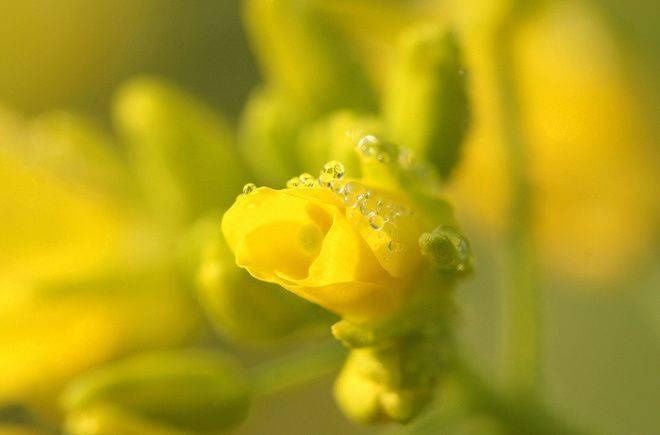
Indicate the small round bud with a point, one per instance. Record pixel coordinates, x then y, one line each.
448 250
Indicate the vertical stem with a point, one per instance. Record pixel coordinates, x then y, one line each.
520 294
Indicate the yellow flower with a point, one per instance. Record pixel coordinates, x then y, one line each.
353 252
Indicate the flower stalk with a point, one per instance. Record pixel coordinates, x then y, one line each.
521 324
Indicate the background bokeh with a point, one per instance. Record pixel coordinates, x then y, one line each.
589 96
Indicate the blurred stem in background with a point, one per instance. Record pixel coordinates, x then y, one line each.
520 333
297 368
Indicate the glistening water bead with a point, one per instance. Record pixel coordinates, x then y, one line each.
307 180
376 221
378 213
331 175
352 193
249 188
372 148
293 182
334 169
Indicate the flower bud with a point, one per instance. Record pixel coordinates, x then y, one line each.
335 137
374 386
77 150
357 395
183 153
186 391
245 309
347 247
425 104
268 133
447 249
404 405
304 55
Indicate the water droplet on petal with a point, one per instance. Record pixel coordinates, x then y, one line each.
352 194
307 180
249 188
334 169
394 246
376 221
336 186
368 145
383 157
294 182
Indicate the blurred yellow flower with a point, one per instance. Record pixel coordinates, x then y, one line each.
87 272
312 242
590 155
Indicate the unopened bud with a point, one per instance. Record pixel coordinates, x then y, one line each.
182 151
448 250
426 105
268 134
302 53
187 391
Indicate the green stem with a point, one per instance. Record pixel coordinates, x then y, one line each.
518 415
297 368
520 295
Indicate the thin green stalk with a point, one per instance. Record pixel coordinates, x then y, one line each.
519 416
297 368
521 324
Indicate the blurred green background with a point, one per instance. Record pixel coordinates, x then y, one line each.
589 87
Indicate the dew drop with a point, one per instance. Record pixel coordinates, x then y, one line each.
307 180
249 188
294 182
394 246
352 194
364 203
376 221
383 157
325 179
368 145
334 168
336 186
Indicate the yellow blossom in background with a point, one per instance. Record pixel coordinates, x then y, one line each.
308 241
590 155
88 272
